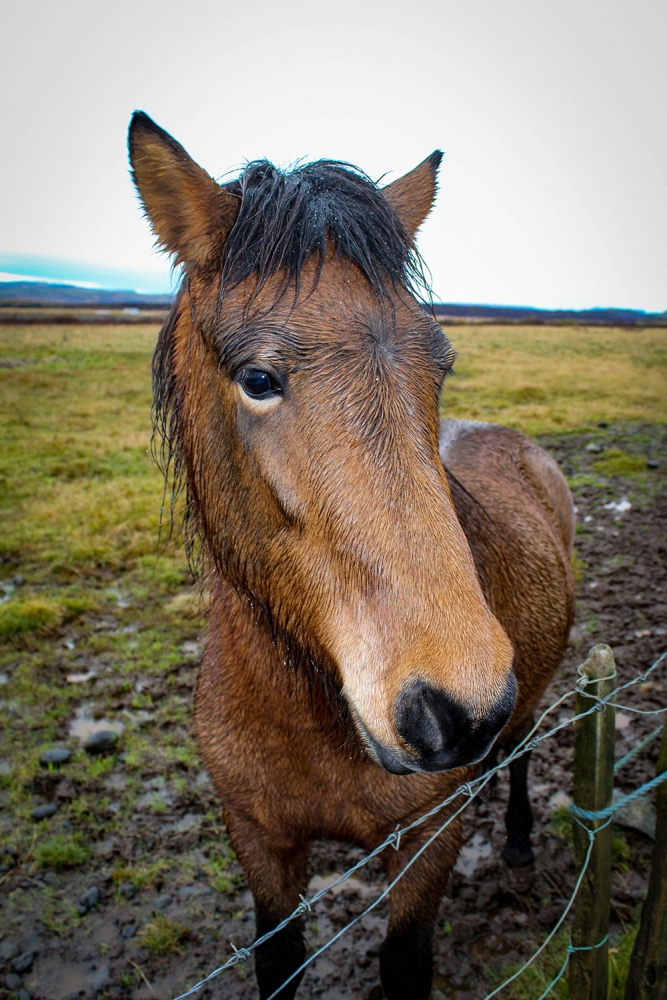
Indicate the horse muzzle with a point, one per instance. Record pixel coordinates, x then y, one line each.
437 732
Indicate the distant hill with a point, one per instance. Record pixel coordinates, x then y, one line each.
37 294
523 314
33 294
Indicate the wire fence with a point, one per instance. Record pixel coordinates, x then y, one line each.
467 792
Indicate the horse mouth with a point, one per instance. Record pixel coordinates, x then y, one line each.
448 760
468 749
382 756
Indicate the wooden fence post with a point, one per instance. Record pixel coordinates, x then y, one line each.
647 978
593 785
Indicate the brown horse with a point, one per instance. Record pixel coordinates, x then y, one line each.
367 563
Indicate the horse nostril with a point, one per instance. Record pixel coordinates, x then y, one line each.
441 732
429 720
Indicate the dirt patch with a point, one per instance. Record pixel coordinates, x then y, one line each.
170 896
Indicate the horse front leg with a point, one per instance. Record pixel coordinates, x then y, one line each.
406 956
276 870
519 816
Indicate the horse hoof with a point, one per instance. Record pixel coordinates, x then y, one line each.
518 857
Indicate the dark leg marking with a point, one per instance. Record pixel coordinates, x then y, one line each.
406 962
276 960
519 816
488 764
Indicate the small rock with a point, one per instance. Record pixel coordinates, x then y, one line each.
638 815
105 848
55 757
652 464
8 951
162 902
23 962
127 889
100 979
103 742
51 880
576 637
90 898
66 789
82 910
594 447
24 995
43 812
13 982
128 931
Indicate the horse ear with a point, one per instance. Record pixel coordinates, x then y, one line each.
413 194
189 213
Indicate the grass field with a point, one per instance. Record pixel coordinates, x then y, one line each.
550 379
81 498
92 621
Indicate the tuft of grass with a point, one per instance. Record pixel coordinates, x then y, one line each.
619 963
39 615
620 852
60 852
163 936
142 876
616 462
561 824
578 566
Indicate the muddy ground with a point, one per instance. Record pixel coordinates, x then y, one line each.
170 895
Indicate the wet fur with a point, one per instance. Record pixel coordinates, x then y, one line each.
329 300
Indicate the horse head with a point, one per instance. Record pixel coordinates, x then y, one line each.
297 381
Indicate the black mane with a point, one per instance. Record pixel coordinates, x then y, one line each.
288 217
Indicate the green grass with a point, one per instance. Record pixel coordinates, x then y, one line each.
41 615
142 876
61 852
616 462
550 379
164 936
81 496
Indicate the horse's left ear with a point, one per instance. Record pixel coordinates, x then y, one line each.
413 194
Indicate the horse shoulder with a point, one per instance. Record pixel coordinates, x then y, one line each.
508 474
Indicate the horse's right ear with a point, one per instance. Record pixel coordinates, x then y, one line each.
189 213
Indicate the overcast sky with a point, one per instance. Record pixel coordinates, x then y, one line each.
551 113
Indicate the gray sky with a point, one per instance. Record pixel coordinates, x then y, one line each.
551 113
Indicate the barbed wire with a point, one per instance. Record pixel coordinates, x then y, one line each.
470 789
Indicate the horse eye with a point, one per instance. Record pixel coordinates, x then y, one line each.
259 384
